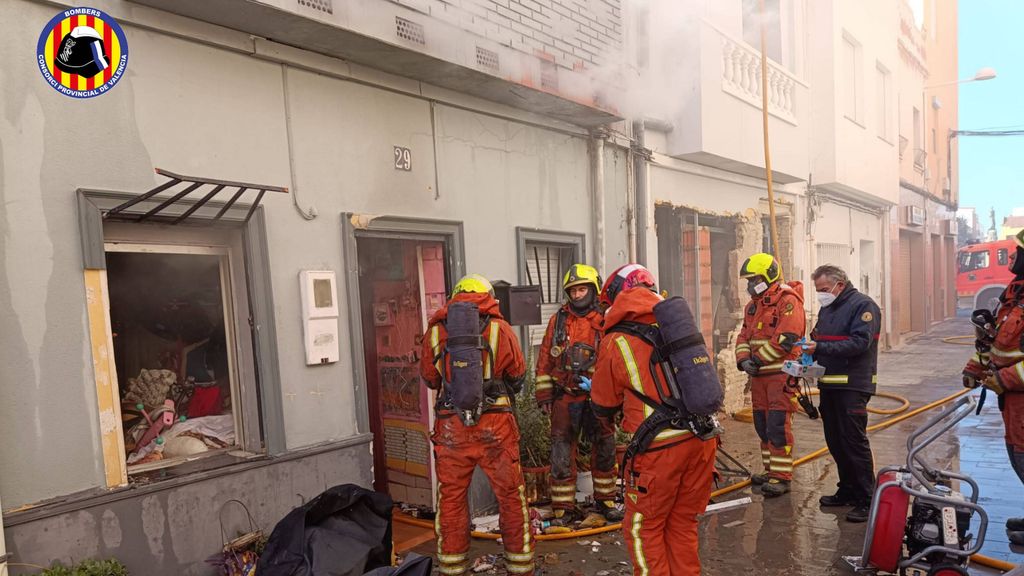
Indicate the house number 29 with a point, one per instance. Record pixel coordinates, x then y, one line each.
403 158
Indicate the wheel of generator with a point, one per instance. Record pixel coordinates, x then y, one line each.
890 524
948 570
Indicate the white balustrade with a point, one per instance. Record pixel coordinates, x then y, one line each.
741 77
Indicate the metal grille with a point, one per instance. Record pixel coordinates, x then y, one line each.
409 30
545 266
487 59
321 5
834 254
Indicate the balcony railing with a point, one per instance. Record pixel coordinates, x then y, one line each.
741 77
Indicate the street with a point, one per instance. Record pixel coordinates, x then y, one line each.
792 534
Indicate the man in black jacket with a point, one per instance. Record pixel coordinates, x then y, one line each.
845 342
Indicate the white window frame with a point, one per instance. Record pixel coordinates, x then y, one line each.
883 92
852 85
228 294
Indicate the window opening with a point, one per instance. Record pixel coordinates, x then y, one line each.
171 312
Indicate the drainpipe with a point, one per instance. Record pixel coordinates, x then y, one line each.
640 157
597 178
3 549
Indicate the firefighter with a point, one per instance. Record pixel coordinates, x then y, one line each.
1001 370
491 441
773 323
564 370
669 484
845 342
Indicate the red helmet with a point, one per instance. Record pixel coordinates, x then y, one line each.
624 278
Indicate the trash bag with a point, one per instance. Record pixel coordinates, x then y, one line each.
414 565
345 531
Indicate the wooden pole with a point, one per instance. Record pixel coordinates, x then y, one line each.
767 151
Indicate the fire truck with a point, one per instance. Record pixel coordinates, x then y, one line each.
983 272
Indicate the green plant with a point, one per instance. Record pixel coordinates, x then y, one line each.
534 424
88 568
622 438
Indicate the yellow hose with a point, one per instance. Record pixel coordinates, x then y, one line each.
979 558
962 340
746 414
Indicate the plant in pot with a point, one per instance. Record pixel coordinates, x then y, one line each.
534 441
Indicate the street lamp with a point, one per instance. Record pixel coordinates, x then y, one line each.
983 73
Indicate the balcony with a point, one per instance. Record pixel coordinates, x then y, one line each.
723 123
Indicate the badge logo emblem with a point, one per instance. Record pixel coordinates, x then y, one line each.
82 52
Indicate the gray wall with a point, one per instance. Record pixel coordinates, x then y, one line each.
192 107
171 532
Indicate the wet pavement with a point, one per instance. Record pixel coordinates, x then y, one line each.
792 535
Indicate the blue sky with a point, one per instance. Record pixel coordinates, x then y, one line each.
992 168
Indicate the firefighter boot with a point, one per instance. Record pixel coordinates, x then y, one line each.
759 479
607 509
1015 537
1015 524
774 488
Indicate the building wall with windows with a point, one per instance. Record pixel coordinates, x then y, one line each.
199 101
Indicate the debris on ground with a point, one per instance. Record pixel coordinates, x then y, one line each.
551 558
602 573
727 505
486 523
483 563
733 524
416 511
593 520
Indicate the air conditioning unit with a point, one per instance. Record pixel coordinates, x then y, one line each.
914 216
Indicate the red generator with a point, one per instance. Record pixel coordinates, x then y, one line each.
917 521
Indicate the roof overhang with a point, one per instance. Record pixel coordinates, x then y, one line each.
294 29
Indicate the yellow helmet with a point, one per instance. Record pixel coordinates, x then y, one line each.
473 283
763 265
580 274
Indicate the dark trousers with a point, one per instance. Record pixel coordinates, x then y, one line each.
844 414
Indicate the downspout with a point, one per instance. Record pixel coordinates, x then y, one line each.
640 157
3 548
597 180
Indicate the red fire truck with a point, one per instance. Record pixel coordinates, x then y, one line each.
982 273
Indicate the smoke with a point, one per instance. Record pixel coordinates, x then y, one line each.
669 51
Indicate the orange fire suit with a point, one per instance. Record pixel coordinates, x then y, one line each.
667 486
1006 360
772 323
492 444
574 340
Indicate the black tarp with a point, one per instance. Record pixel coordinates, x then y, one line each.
345 531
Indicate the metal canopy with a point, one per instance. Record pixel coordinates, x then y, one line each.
178 200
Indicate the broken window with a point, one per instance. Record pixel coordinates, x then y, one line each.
172 315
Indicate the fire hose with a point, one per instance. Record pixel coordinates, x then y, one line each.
980 559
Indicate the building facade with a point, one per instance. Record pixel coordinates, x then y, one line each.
379 151
925 224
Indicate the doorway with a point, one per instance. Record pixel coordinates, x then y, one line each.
402 282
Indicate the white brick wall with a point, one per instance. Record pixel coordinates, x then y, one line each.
571 33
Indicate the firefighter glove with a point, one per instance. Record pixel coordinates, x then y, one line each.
992 383
971 382
584 383
750 367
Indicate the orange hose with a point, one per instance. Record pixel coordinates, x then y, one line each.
980 559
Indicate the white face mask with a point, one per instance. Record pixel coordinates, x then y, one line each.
827 298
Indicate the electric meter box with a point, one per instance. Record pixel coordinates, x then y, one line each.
520 305
319 315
